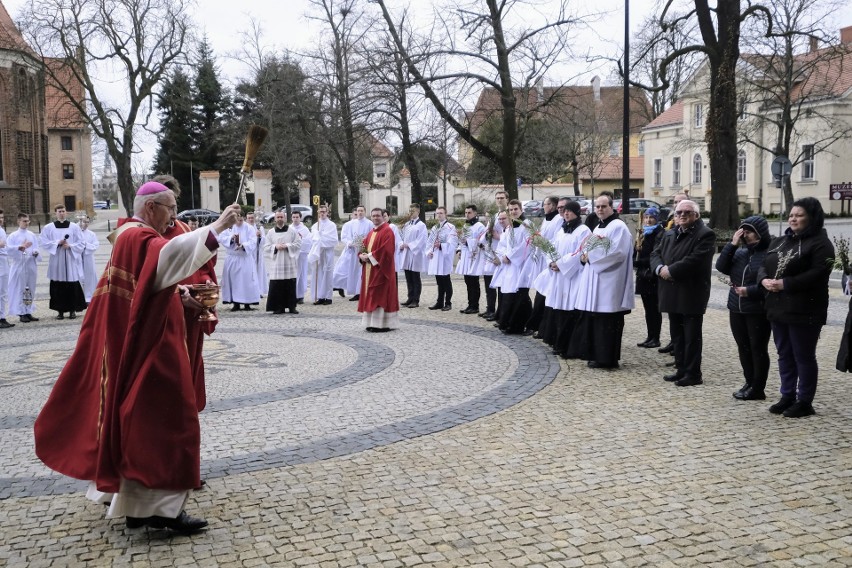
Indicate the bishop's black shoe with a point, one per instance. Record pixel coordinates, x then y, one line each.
182 524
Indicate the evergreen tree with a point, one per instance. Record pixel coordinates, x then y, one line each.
175 151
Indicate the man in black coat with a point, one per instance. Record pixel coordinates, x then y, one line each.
683 260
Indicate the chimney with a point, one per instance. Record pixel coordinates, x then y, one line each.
846 35
539 89
596 87
814 44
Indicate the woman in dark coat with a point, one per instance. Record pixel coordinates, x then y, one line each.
795 275
741 259
646 280
844 354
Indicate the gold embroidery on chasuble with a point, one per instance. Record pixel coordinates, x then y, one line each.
369 265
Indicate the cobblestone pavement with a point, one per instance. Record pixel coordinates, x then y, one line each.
446 443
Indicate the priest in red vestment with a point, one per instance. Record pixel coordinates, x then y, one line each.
123 413
379 301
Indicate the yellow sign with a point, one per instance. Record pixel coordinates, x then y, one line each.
316 199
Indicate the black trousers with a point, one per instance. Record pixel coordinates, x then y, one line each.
534 320
490 294
565 321
473 291
414 285
282 295
515 310
653 317
597 337
547 328
66 296
445 290
688 343
751 332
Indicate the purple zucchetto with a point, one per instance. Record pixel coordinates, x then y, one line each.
150 188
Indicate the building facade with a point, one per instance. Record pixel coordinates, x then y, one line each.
676 152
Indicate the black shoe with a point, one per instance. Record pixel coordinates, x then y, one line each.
413 305
490 316
72 315
673 377
688 382
372 329
277 312
447 307
643 343
61 316
300 301
528 332
652 343
405 304
671 364
236 308
739 394
327 301
469 311
183 524
782 405
667 349
753 394
4 324
436 307
294 311
799 410
484 314
340 291
248 308
355 298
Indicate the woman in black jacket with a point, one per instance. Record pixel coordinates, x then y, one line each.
741 259
795 274
646 280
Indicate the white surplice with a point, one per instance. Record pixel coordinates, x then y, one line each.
606 282
347 271
239 276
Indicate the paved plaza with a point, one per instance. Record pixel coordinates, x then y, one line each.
446 443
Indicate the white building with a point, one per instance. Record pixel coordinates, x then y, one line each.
676 153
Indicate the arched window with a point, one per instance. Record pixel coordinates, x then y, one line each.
696 168
741 166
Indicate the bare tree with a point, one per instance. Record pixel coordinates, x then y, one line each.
787 77
719 27
113 37
341 80
486 47
393 102
652 47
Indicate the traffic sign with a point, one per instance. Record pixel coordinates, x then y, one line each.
782 166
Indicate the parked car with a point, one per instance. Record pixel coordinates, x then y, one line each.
100 205
204 216
636 204
533 208
586 206
306 210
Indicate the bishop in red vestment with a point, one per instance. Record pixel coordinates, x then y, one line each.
123 412
379 301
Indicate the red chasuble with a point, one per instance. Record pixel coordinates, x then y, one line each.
124 405
196 330
378 283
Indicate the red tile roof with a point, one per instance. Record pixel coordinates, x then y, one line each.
672 115
565 101
10 37
612 169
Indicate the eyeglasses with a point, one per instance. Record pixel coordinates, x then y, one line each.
172 208
602 206
683 213
559 207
